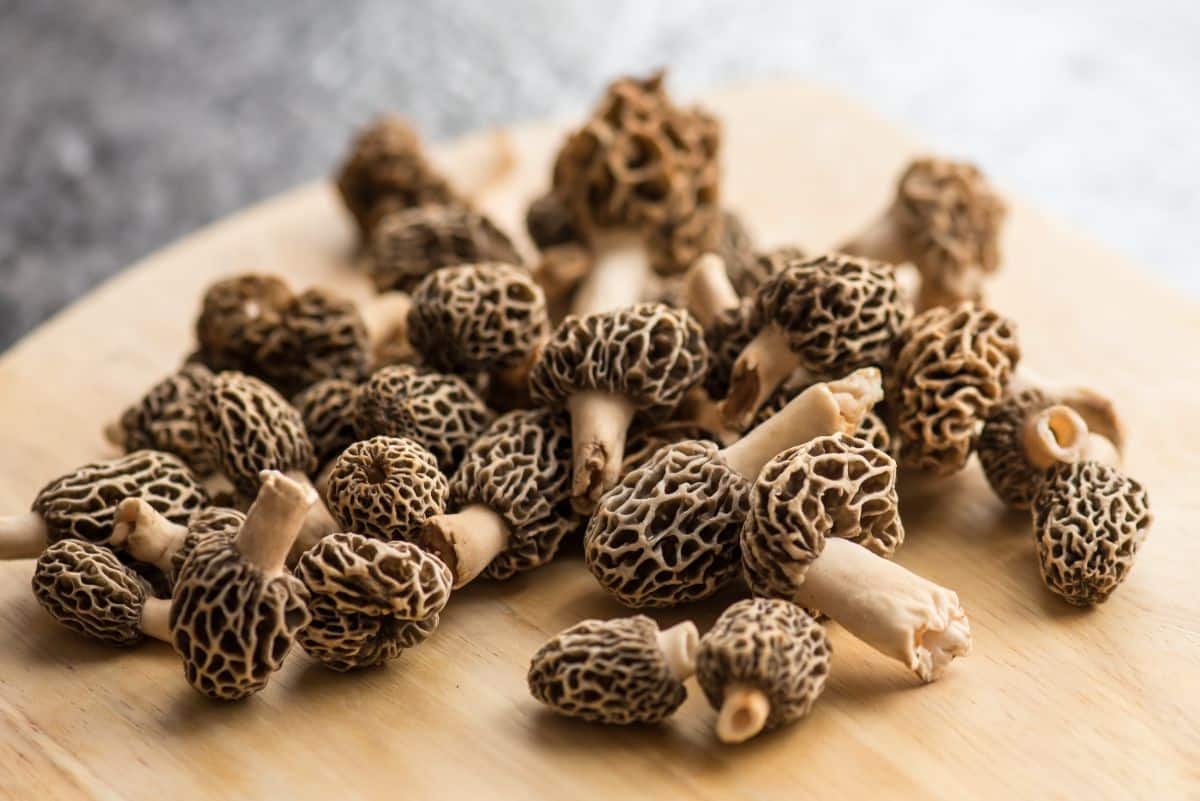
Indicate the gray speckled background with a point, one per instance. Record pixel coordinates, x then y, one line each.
125 124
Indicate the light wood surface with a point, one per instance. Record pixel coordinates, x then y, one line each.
1053 703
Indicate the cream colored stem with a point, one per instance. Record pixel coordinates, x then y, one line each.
318 522
760 368
146 535
386 319
599 423
830 407
274 520
156 619
1055 434
678 645
1097 410
619 269
708 289
466 541
23 536
893 610
882 240
744 712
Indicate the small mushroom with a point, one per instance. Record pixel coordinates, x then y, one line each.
822 517
152 539
736 249
241 317
85 587
440 412
369 600
607 367
236 610
827 315
327 409
615 671
1090 520
945 220
668 532
80 505
512 496
951 367
386 488
164 419
763 664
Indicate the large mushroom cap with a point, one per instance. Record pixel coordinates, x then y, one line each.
478 318
370 600
164 419
386 488
327 409
440 412
1000 447
951 366
607 671
668 532
211 521
87 589
323 336
1090 520
240 317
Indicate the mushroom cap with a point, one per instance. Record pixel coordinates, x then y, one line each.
211 521
82 504
749 275
86 588
951 366
164 419
607 671
668 532
1001 450
838 312
323 336
649 353
370 600
1090 520
549 222
250 428
642 162
645 441
409 245
439 411
477 318
520 468
386 488
232 623
726 337
386 170
327 409
771 645
831 486
735 246
239 318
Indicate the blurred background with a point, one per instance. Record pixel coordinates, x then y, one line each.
125 124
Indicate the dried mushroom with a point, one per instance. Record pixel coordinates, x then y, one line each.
327 409
550 223
765 265
873 429
735 246
164 419
822 516
385 488
668 532
605 368
512 499
152 539
369 600
645 441
615 671
763 664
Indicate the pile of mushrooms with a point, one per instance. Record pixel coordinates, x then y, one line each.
699 416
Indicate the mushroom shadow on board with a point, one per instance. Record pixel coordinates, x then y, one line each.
191 714
47 644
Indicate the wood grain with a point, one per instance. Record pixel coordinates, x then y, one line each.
1054 702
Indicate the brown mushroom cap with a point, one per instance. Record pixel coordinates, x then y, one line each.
440 412
951 366
726 337
767 646
370 600
239 318
645 441
549 222
408 246
386 488
478 318
1090 520
386 170
327 409
735 246
86 588
1000 447
610 671
164 419
751 274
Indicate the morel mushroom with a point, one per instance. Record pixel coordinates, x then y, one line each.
164 419
763 664
945 220
615 671
86 588
512 496
152 539
1090 520
236 610
668 532
822 517
736 249
605 368
80 505
327 409
369 600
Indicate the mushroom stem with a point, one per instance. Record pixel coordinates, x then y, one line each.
1055 434
386 319
700 409
23 536
708 289
678 645
274 520
893 610
466 541
744 712
599 422
618 275
145 534
218 486
156 619
760 368
1097 410
882 240
318 522
1099 449
830 407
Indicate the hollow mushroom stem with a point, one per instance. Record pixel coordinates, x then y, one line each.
1055 434
156 619
760 368
708 289
620 265
1097 410
23 536
317 524
599 422
145 534
678 645
893 610
466 541
744 712
274 520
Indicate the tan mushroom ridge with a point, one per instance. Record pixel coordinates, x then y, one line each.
164 419
326 408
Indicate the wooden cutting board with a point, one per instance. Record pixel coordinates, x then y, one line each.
1053 703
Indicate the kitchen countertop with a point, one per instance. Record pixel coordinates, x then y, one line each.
124 125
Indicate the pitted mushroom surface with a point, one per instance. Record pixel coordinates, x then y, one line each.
327 409
164 419
386 488
240 318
